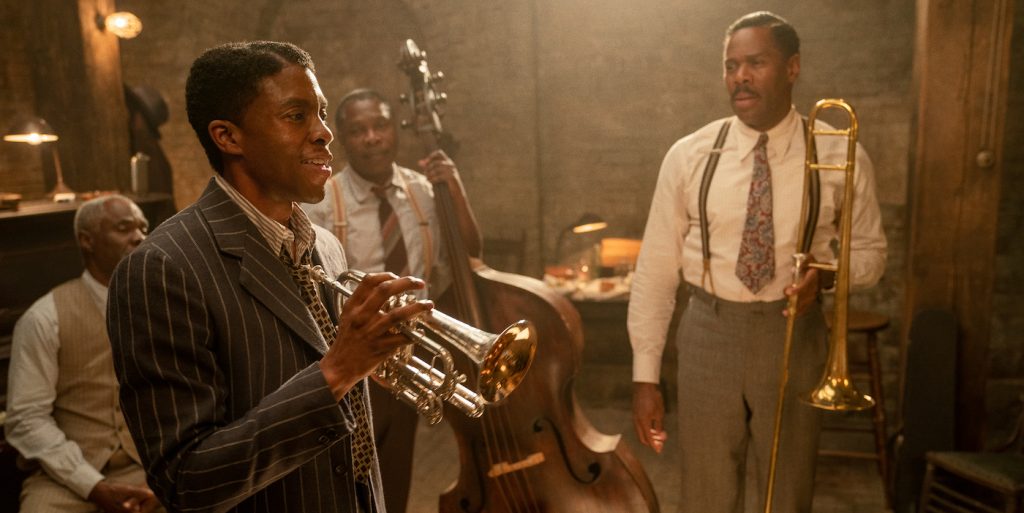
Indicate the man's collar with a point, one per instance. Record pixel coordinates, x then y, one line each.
94 286
362 189
299 229
780 136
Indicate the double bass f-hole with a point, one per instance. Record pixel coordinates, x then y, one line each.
593 468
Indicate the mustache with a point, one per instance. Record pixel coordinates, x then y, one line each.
742 89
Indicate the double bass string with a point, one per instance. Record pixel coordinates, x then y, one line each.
513 480
514 488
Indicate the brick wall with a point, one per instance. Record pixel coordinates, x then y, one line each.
566 107
20 166
561 107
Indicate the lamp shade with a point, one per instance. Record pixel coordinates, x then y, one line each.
33 131
589 223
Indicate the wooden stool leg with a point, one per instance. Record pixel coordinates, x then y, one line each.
879 414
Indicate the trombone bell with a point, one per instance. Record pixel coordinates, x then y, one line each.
838 394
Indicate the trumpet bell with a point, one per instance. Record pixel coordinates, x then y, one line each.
838 394
506 363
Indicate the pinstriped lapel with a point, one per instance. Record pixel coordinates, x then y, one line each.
261 272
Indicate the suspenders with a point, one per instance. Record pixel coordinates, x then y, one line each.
705 185
341 222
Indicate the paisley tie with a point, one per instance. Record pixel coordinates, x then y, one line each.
755 266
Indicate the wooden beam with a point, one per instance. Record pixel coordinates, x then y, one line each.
962 61
76 73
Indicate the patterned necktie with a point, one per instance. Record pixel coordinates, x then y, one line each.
755 266
362 444
395 258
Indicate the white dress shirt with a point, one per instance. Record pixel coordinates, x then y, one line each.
671 248
412 199
32 390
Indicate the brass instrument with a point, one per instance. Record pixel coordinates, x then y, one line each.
501 360
836 391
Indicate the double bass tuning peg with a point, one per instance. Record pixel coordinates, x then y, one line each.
404 98
437 77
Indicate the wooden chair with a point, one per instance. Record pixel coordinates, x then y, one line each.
986 482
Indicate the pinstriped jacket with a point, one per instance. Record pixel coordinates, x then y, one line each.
217 356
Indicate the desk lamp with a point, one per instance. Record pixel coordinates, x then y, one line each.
585 224
36 131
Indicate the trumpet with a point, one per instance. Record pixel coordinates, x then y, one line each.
835 391
501 360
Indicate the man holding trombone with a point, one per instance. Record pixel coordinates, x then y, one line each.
725 218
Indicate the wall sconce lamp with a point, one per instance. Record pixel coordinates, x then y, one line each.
36 131
585 224
124 24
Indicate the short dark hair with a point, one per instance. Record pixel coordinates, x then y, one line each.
355 95
782 32
225 79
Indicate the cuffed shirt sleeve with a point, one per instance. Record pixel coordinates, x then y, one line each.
657 276
31 391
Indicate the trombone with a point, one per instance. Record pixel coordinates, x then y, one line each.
835 391
501 360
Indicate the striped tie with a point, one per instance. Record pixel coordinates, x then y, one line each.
395 258
362 444
755 266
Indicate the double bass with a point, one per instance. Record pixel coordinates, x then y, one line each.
535 451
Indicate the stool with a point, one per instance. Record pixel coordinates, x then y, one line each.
869 324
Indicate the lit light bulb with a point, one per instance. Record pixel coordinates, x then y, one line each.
124 25
34 138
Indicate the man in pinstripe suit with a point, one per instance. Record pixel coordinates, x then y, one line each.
238 399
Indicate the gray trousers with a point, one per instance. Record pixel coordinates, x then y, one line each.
730 357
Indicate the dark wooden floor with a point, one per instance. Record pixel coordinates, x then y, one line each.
842 485
603 387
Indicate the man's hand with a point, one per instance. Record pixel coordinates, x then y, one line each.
438 167
365 335
648 415
121 498
806 290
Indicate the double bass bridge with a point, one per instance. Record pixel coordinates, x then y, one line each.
501 468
